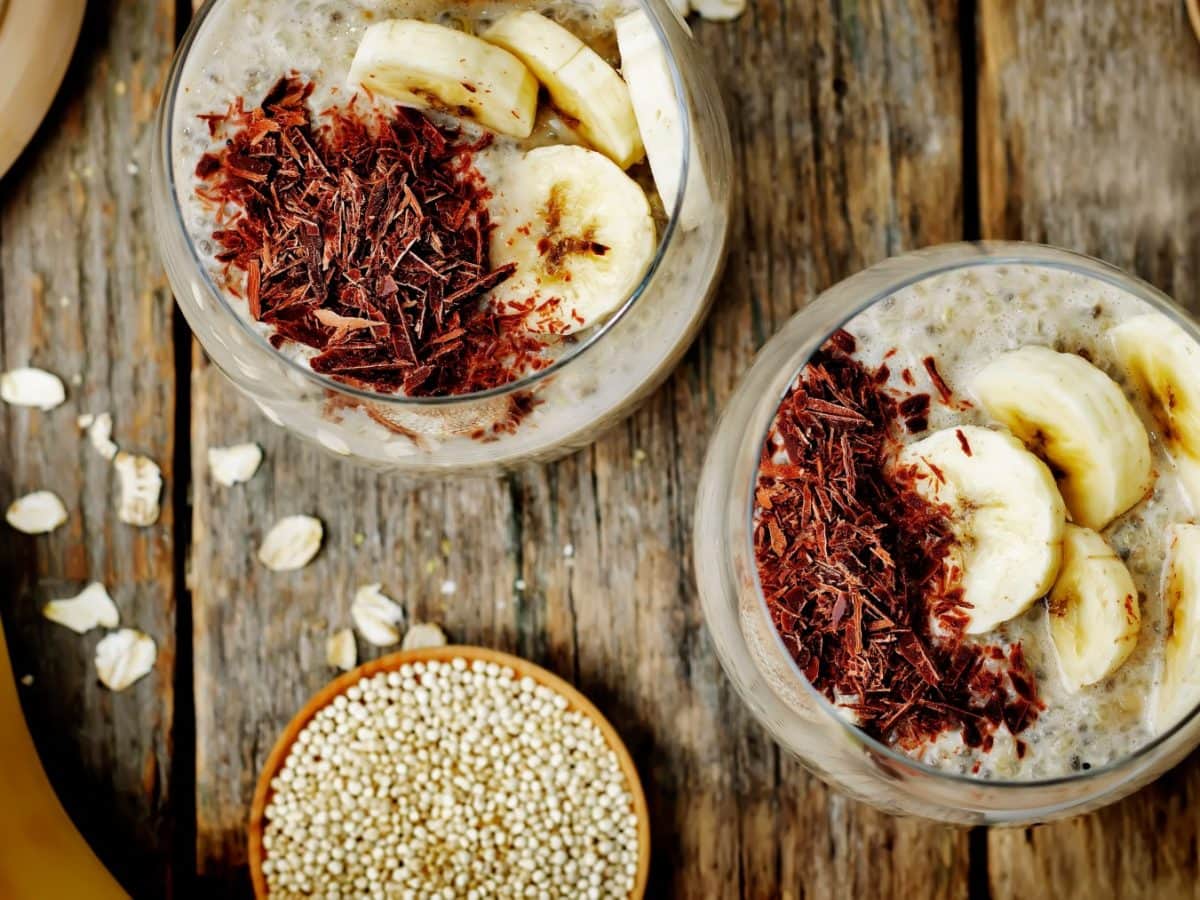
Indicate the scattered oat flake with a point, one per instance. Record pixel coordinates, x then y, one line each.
141 487
376 615
359 539
639 456
291 543
32 387
37 513
519 584
341 651
235 464
449 586
123 657
99 428
569 551
424 634
90 608
27 680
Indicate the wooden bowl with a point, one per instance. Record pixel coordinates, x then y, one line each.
322 698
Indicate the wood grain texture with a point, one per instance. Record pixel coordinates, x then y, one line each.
848 135
1089 137
83 296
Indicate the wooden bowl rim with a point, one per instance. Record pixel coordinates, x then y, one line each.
393 661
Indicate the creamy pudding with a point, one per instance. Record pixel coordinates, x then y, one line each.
973 522
427 201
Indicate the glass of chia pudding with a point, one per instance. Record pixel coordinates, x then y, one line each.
946 536
442 236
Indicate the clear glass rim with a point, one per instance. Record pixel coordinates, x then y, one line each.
943 259
652 8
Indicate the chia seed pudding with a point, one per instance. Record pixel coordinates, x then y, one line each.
566 133
1096 638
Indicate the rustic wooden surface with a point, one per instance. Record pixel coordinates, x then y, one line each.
850 136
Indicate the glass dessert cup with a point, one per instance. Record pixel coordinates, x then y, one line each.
753 654
590 384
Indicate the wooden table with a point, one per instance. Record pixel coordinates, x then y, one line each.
862 129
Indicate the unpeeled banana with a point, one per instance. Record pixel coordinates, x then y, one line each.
36 40
42 855
1179 687
580 232
1094 611
1070 413
428 66
1006 512
1164 361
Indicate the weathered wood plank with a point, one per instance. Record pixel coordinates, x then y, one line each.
83 296
848 139
1088 136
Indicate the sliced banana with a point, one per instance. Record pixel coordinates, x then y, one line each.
720 10
1094 612
579 81
660 119
1165 362
1074 416
1179 690
1006 512
580 232
429 66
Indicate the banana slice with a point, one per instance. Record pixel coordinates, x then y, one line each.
580 83
1165 362
429 66
720 10
1094 612
659 119
580 232
1074 416
1006 513
1179 690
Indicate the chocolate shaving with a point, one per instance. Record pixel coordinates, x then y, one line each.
365 237
857 570
962 441
939 383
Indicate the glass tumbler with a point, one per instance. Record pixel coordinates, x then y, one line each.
592 385
752 654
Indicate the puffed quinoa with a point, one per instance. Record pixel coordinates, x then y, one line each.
450 779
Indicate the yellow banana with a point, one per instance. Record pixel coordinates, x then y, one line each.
36 40
42 855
